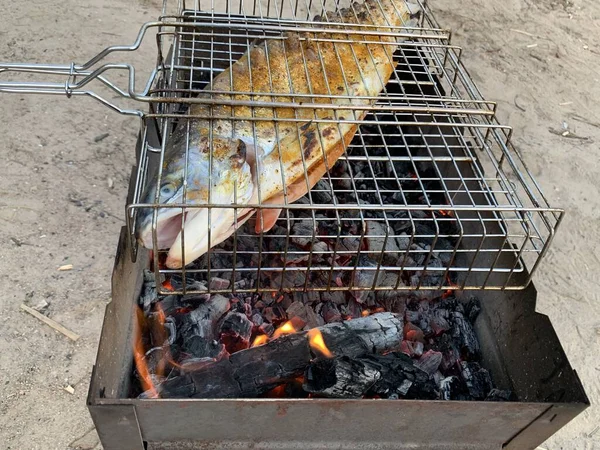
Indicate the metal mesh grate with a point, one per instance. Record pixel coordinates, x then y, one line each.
429 195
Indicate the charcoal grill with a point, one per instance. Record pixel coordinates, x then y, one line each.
476 193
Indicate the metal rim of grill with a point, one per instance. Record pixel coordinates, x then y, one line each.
503 219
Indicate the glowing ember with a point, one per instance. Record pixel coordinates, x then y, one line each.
260 340
315 339
365 313
167 285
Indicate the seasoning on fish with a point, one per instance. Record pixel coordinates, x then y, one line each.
269 161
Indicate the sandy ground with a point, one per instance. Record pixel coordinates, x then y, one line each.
62 194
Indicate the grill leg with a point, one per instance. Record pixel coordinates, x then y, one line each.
117 427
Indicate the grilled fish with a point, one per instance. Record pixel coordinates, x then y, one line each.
242 154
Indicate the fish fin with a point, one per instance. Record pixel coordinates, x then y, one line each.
269 218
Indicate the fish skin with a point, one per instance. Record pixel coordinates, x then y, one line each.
282 160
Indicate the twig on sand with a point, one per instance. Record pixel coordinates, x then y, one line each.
51 323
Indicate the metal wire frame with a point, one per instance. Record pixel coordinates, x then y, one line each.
499 215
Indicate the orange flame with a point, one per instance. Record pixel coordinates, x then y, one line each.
260 340
315 339
138 356
365 313
286 328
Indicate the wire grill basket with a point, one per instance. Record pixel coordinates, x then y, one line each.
429 195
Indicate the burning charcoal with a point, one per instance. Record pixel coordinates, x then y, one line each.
477 379
218 284
450 353
198 329
235 332
438 322
267 328
381 239
464 336
297 309
399 376
257 319
429 362
322 192
274 313
413 317
450 389
498 395
341 377
349 244
302 233
331 313
411 348
171 328
290 279
202 348
169 303
190 283
363 278
337 297
313 320
472 309
413 333
241 284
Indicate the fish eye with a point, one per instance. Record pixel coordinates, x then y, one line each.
167 190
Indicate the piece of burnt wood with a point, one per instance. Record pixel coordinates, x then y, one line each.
197 332
386 376
477 379
465 338
341 377
252 372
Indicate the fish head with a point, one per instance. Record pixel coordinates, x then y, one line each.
216 172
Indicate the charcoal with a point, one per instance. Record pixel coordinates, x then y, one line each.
190 283
337 297
472 309
313 320
274 313
257 319
217 284
303 233
298 309
349 244
464 336
498 395
400 376
477 379
322 193
411 348
413 333
429 362
171 328
381 239
168 304
450 353
438 322
451 389
267 328
331 313
290 279
387 376
341 377
198 329
235 332
413 317
200 347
